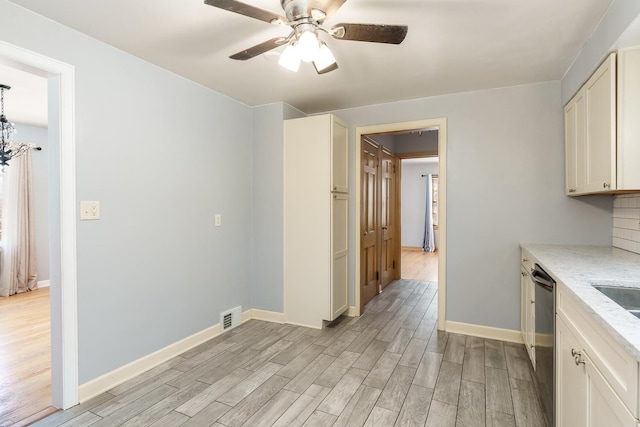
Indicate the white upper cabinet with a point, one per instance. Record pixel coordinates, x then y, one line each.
629 119
575 128
600 138
602 130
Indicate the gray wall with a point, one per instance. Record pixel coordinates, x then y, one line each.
496 198
619 16
162 155
40 159
267 204
414 200
416 143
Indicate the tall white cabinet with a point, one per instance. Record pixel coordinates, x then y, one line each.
316 219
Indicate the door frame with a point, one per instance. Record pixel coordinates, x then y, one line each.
441 124
63 296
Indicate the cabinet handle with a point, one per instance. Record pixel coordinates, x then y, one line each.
577 357
605 185
572 190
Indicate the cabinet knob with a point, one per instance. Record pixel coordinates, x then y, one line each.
335 188
522 273
533 302
335 197
605 185
572 190
577 357
525 260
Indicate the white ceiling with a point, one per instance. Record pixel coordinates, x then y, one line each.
26 101
452 46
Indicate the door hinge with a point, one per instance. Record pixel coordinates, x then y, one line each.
393 265
377 275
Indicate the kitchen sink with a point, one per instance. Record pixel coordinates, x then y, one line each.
628 298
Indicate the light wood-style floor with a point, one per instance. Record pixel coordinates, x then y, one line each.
388 367
25 357
419 265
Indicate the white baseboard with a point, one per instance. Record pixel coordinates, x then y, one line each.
44 284
118 376
508 335
353 311
267 316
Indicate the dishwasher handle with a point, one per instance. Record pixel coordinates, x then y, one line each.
542 278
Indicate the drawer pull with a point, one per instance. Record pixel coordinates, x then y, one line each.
577 357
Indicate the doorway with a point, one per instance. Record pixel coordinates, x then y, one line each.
419 214
362 258
62 216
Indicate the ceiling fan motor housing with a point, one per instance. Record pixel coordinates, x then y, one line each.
296 9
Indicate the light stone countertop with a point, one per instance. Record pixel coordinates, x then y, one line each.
579 268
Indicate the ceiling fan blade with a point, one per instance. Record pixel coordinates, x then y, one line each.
258 49
330 68
393 34
247 10
329 7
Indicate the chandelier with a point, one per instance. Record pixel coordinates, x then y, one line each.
9 149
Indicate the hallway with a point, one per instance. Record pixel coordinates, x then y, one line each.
419 265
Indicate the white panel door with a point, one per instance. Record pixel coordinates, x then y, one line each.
340 254
600 95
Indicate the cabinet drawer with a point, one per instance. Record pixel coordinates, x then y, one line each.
525 260
617 366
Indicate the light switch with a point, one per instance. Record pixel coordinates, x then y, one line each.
89 210
218 220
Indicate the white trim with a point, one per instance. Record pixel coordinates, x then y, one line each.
64 378
44 284
268 316
508 335
441 123
118 376
353 311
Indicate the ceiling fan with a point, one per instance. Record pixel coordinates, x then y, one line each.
306 18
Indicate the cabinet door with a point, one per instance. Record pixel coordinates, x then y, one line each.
339 254
524 300
600 107
339 157
575 126
571 380
530 339
628 123
604 406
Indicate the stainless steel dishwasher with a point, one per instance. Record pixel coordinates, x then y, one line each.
545 309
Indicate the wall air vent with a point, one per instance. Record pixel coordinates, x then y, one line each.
231 318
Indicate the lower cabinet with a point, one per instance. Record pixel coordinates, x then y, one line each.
527 308
583 396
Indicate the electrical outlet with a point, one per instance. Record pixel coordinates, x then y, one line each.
89 210
218 220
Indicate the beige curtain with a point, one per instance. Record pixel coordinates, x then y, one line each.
18 271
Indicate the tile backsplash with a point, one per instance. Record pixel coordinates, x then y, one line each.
626 222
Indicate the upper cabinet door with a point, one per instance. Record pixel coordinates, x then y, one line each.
575 127
339 156
629 119
600 149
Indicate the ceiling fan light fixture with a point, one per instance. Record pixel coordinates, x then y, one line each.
290 58
308 45
324 59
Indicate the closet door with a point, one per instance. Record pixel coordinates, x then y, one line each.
368 222
388 226
339 254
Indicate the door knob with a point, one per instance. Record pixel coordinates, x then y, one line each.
364 233
385 228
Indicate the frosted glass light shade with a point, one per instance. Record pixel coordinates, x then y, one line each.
324 58
308 45
290 58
